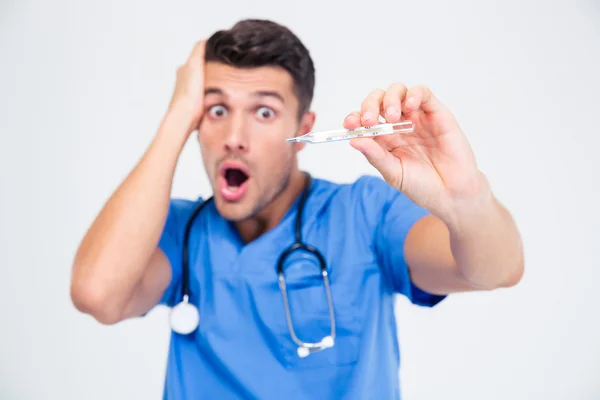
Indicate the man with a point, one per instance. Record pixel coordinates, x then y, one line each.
430 227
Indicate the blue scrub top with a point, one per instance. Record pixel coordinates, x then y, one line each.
242 348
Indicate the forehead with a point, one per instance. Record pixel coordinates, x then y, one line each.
242 83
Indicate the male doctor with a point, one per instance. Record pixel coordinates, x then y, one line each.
429 227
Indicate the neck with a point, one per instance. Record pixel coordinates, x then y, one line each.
271 215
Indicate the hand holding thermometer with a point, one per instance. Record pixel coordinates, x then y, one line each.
347 134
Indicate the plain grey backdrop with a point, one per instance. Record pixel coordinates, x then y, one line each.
84 85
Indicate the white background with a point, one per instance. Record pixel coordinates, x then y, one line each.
83 86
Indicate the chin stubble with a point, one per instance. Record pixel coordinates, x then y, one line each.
263 202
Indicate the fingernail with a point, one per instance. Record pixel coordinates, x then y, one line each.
391 111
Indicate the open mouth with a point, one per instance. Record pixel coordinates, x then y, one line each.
233 182
235 178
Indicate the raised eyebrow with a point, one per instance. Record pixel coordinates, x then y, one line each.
213 90
268 93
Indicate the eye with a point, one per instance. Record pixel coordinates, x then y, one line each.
217 111
265 113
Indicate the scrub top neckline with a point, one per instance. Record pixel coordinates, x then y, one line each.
283 229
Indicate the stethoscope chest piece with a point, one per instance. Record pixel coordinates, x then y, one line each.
184 317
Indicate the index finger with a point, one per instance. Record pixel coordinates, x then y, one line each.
197 54
371 107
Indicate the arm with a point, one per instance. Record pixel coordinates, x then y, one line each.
478 249
469 241
119 271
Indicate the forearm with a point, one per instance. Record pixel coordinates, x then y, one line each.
485 242
115 251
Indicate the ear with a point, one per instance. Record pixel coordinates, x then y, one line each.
307 122
306 125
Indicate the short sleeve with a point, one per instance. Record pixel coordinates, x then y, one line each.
171 243
396 214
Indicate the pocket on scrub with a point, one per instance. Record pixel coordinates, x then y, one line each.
309 312
314 328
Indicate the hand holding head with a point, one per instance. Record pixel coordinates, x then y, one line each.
188 95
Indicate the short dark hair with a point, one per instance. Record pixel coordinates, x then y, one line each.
257 43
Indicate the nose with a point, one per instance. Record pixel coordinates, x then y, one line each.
237 138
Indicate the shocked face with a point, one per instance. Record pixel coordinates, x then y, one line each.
248 114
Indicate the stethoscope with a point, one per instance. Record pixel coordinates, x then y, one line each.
185 316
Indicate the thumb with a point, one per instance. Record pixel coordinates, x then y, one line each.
389 166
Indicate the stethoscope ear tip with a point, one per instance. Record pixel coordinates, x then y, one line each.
184 318
303 352
327 342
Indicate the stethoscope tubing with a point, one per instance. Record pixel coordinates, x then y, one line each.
305 348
